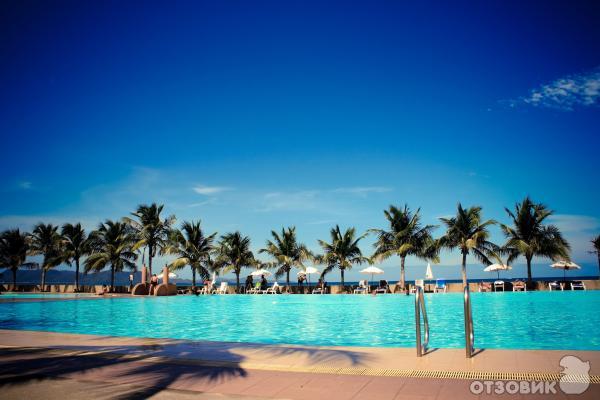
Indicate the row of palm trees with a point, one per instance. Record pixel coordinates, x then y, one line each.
118 244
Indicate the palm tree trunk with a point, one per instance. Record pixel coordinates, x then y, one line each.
14 274
193 278
77 274
464 270
402 280
149 261
43 278
112 278
287 280
528 270
237 282
343 285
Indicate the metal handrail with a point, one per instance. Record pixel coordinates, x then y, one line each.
420 309
469 333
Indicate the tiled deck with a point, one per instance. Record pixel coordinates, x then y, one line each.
151 366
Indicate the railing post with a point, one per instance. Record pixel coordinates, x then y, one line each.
420 309
469 334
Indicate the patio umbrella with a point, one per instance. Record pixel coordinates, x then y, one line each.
497 268
307 272
260 272
172 275
373 271
565 265
428 272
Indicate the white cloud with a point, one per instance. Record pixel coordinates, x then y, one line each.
567 93
210 190
568 223
298 200
25 185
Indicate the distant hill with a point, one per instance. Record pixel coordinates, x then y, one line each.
54 277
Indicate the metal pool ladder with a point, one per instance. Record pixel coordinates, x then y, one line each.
469 334
420 309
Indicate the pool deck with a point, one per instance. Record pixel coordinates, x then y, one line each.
170 368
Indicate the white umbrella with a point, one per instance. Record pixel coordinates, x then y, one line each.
565 265
428 273
308 271
373 271
497 268
172 275
260 272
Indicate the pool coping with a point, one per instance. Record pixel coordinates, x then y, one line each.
538 365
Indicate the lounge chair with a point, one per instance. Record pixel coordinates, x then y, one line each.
440 286
362 287
256 289
485 287
223 288
554 286
273 289
519 286
577 285
498 285
319 289
420 283
383 287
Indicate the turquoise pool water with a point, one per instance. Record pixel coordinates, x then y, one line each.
532 320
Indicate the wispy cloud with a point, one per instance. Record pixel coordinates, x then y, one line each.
574 223
363 190
567 93
210 190
298 200
25 185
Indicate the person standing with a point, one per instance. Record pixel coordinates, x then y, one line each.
153 283
130 283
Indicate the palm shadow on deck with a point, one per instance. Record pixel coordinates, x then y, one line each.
184 364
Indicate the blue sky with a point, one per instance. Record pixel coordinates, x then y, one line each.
258 115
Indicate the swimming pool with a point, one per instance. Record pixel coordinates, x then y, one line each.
44 295
531 320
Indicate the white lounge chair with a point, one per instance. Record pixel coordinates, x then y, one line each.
577 285
256 289
383 288
420 283
554 286
273 289
519 286
223 288
362 287
440 286
498 285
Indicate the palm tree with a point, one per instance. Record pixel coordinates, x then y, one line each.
342 252
406 237
469 234
287 252
596 244
46 241
234 254
111 244
192 247
152 231
74 246
529 237
14 246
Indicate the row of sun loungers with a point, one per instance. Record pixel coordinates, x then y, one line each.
383 287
